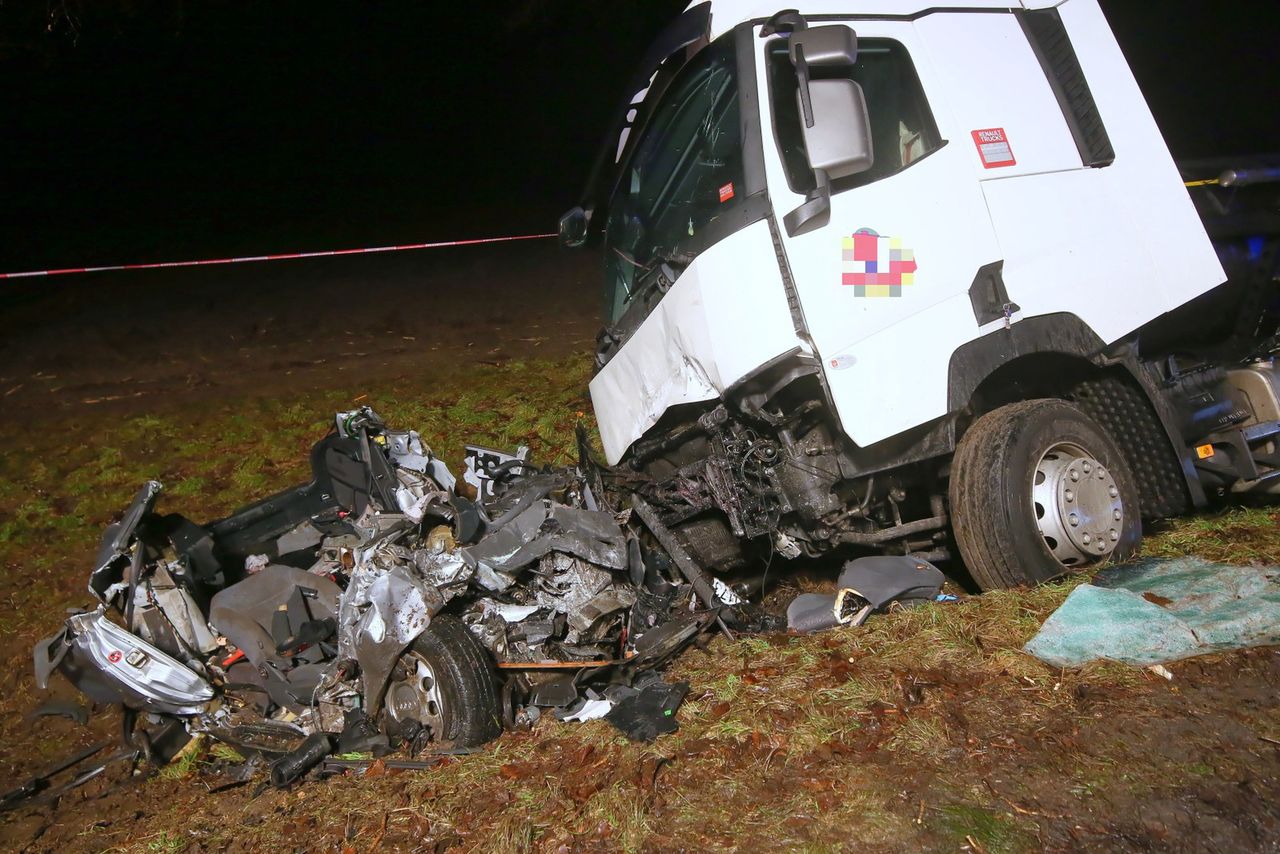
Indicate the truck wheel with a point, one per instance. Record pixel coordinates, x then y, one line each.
1038 490
446 681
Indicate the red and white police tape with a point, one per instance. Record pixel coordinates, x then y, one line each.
279 257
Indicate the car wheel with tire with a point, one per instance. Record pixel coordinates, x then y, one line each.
446 681
1038 490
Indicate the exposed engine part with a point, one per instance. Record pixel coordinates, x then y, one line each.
737 478
729 488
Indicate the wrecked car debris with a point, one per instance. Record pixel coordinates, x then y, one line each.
865 585
386 605
647 708
379 607
291 767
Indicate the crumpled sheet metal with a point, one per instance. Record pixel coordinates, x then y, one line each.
604 603
379 619
110 665
409 452
116 538
442 568
566 584
388 603
546 527
1160 610
726 315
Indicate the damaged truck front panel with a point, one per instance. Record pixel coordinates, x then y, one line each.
725 316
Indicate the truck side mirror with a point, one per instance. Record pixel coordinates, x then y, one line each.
836 125
573 228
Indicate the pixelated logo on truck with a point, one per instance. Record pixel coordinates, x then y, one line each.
876 266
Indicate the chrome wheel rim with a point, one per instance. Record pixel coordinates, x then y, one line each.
415 695
1077 505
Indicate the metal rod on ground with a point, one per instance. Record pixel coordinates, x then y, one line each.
396 764
683 560
22 794
33 792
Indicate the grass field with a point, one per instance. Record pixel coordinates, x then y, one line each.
927 729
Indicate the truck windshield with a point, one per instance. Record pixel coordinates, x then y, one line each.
685 173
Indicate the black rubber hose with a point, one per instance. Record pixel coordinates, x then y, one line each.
501 470
290 768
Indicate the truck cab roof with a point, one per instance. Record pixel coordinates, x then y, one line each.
726 14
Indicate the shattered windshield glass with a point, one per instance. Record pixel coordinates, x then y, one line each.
685 174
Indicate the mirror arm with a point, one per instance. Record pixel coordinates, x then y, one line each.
802 78
787 21
814 211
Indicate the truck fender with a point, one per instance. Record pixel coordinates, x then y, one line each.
1062 334
1157 453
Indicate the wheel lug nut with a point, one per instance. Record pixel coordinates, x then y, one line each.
1075 475
1075 520
1116 515
1087 468
1115 535
1086 539
1069 495
1113 492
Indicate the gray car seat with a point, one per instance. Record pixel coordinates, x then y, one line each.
249 614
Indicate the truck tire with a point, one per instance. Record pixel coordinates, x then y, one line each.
446 680
1038 490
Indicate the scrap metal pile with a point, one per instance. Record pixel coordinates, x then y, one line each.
386 604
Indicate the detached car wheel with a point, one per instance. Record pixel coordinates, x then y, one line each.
447 681
1038 490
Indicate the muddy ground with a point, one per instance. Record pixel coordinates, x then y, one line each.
157 339
927 729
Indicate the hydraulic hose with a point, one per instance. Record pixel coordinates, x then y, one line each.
291 767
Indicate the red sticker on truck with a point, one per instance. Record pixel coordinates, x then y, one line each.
993 148
726 192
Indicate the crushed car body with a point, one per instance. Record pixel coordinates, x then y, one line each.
386 604
383 602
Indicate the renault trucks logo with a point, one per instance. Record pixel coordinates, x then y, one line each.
994 148
876 266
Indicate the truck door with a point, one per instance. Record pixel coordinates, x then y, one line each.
884 286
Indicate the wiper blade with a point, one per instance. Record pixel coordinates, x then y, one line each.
659 273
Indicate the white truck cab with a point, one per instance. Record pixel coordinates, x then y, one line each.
914 278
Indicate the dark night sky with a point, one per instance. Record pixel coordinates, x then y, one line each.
265 127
